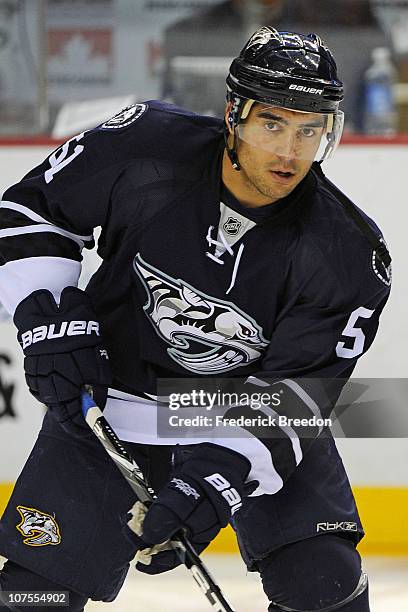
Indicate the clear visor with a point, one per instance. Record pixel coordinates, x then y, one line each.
292 134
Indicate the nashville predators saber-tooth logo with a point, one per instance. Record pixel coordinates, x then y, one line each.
206 335
41 528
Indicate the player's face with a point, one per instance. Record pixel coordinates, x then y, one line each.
276 148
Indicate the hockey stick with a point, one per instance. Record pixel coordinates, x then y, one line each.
135 479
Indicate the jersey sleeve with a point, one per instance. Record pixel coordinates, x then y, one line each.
329 321
50 215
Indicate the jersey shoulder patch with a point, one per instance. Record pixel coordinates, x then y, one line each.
125 117
382 272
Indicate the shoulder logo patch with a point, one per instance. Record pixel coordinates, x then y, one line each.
125 117
39 528
382 272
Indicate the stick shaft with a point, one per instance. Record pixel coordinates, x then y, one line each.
135 479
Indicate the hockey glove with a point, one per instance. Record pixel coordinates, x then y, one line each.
200 498
154 559
63 351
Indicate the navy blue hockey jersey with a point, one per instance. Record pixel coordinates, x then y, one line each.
193 283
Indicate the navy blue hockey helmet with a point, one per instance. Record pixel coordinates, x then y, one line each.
290 70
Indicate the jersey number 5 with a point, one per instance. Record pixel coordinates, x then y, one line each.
351 331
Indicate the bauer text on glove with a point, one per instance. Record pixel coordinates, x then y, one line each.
63 351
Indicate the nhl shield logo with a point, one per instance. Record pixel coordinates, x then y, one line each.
232 226
38 528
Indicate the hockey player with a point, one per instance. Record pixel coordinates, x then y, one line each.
226 252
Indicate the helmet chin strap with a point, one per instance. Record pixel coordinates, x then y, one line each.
232 152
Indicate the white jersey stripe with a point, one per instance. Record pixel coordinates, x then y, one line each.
288 430
305 397
41 228
27 212
253 380
296 388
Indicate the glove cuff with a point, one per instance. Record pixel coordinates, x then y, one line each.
225 459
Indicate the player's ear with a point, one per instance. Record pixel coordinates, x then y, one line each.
229 119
